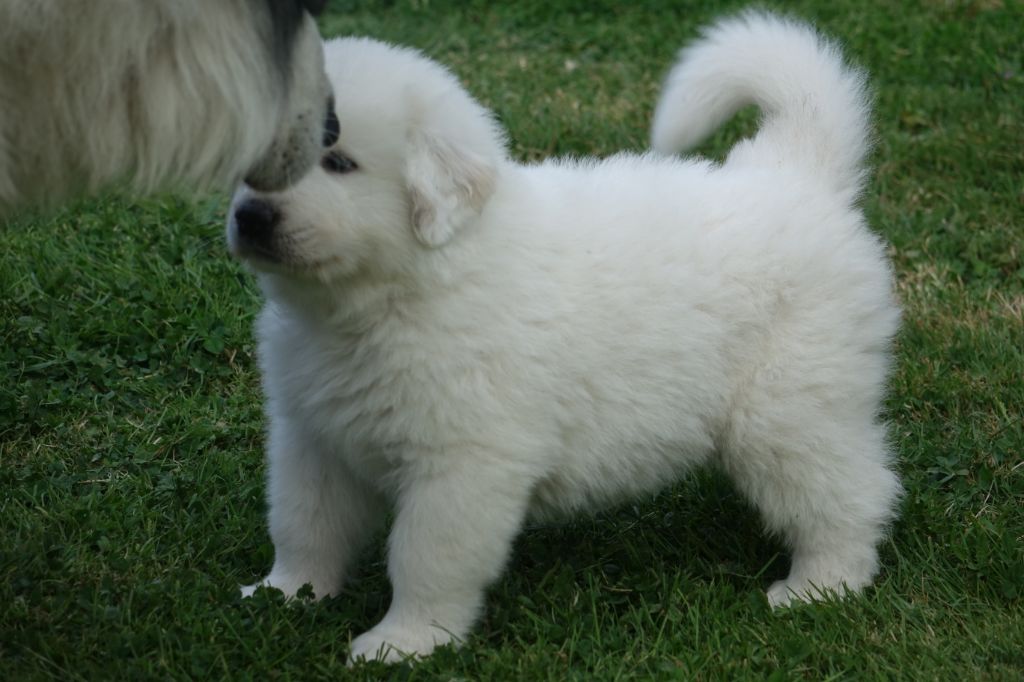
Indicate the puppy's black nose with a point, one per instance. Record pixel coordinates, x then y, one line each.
255 220
332 129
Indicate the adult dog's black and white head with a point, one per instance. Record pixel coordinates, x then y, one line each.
158 94
295 48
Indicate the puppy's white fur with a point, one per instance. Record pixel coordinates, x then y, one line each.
157 94
472 342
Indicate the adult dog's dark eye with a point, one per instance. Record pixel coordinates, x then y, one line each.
336 162
332 129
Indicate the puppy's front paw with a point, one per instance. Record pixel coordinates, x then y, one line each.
249 590
780 595
791 592
289 585
393 644
823 578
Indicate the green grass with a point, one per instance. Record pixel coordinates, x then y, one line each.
130 419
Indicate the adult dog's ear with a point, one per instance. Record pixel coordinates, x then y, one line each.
448 186
314 7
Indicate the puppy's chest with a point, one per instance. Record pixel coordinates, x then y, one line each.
354 396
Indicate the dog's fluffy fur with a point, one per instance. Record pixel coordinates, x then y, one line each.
156 94
472 342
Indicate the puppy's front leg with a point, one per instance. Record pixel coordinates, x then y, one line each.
451 538
320 514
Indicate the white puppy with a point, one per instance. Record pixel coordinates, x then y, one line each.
472 342
157 94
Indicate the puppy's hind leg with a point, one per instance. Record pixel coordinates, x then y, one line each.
822 482
320 515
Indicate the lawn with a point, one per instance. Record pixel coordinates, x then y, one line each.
131 468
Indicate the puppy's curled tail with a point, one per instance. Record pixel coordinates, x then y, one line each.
815 107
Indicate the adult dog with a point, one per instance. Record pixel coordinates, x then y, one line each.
472 342
157 94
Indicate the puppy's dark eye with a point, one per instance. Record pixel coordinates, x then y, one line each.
336 162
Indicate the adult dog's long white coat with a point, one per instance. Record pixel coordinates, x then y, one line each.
156 94
471 341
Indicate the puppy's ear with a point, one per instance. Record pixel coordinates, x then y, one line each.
448 186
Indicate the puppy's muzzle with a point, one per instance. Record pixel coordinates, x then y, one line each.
256 221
